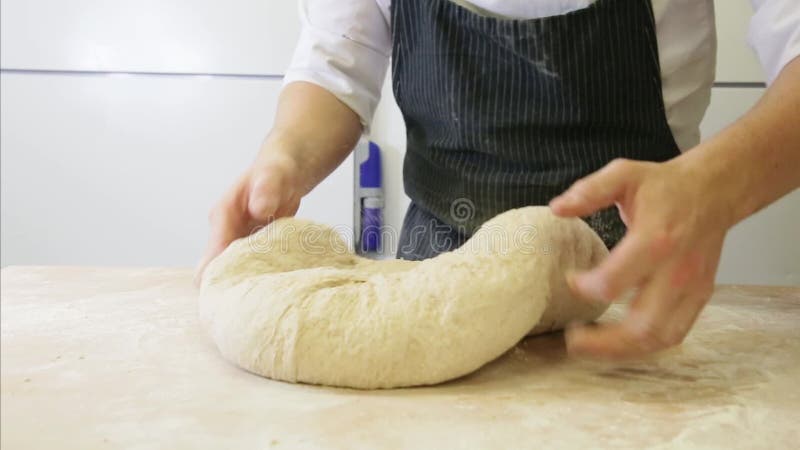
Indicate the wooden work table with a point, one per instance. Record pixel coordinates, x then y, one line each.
96 358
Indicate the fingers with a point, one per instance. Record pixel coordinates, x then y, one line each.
623 268
256 199
228 222
700 293
669 316
651 311
629 263
288 208
660 317
632 338
641 332
264 196
598 190
211 252
607 341
687 313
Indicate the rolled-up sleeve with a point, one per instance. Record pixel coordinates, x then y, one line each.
344 47
775 34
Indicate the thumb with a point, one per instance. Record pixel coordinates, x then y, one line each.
265 195
597 191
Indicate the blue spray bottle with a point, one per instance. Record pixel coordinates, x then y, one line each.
369 195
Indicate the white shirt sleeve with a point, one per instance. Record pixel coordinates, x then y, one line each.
775 34
344 47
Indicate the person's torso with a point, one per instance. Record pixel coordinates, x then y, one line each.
503 113
686 35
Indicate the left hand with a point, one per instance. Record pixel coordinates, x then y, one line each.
669 255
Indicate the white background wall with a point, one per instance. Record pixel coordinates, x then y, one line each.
191 36
105 164
106 168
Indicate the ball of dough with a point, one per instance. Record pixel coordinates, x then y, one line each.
292 303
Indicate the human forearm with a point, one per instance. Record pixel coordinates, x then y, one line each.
313 129
756 160
312 134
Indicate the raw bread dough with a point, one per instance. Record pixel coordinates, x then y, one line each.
292 303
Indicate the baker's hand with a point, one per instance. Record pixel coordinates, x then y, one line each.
268 190
669 255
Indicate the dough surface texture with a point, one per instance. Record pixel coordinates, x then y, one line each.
292 303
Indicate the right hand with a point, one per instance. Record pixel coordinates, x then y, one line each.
268 190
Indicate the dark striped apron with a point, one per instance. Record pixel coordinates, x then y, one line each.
507 113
